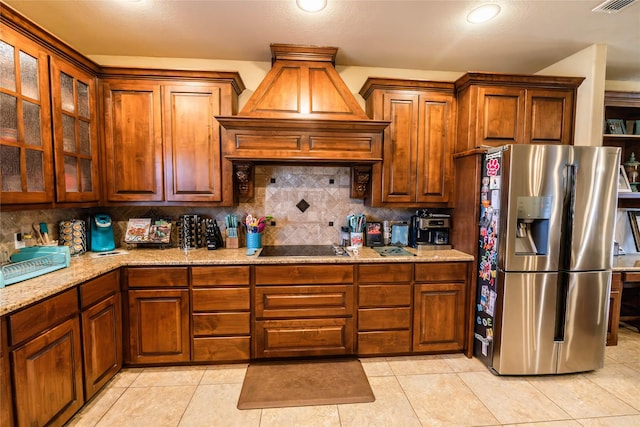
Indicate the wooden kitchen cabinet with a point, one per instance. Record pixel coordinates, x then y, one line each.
132 141
384 309
440 305
47 361
26 170
75 133
221 313
157 316
303 310
615 298
6 393
498 109
162 141
101 330
418 144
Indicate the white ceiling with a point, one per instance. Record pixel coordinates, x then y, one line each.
426 35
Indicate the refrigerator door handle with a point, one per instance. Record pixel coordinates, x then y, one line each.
568 211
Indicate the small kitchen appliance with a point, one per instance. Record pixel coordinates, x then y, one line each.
430 230
102 234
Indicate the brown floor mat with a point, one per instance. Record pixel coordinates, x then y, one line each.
304 383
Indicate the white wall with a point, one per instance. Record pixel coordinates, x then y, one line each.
591 64
622 86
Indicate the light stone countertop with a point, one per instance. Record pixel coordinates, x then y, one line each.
85 267
629 262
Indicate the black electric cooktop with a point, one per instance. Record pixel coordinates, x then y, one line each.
298 250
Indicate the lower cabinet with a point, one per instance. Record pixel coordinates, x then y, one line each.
6 396
615 298
101 330
303 310
384 309
304 337
158 326
221 313
157 315
47 361
440 302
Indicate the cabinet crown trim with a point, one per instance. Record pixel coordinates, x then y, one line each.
530 81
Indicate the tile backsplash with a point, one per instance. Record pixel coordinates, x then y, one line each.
278 189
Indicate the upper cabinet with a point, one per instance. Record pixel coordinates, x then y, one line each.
155 140
75 133
161 139
499 109
49 125
26 172
132 141
418 144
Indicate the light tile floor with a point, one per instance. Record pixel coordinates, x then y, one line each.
448 390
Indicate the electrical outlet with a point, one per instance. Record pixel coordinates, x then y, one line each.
17 240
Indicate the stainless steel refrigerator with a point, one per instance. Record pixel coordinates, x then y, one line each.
544 263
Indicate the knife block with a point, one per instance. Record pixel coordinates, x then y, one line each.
231 242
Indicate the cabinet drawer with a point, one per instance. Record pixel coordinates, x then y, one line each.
33 320
219 276
221 324
304 337
157 277
99 288
630 277
384 342
233 349
303 301
224 299
303 274
384 318
384 295
441 271
385 273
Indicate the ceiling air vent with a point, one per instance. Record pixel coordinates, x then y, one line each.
613 6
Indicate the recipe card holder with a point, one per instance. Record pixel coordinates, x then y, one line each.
151 231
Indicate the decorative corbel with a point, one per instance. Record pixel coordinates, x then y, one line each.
243 179
360 176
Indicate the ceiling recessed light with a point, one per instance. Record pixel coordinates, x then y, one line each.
483 13
311 5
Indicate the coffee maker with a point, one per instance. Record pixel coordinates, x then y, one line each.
102 233
429 230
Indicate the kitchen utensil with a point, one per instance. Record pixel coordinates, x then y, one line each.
254 240
44 230
32 262
357 239
38 236
356 223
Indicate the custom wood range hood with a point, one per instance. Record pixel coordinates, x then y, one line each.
302 112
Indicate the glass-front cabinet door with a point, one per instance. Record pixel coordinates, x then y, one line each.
74 133
26 167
